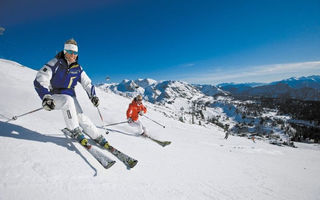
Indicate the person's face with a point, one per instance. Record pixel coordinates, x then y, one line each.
139 101
71 56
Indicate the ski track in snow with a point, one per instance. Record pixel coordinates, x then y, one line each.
39 162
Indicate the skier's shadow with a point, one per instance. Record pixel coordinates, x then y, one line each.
22 133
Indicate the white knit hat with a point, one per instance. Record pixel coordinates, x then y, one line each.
70 45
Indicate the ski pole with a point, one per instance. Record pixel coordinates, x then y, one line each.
116 123
154 121
100 115
107 132
16 117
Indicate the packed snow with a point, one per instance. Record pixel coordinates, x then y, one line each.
39 162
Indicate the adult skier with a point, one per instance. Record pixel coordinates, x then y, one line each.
55 84
135 109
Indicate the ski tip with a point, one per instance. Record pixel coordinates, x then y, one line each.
166 143
132 164
110 164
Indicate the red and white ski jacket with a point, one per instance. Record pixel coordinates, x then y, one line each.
134 109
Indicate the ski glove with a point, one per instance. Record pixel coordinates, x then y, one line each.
130 120
141 113
95 101
48 103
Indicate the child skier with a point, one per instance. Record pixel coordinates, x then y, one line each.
135 109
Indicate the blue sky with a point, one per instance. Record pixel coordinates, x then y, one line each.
197 41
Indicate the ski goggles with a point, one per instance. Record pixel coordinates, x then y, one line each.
71 52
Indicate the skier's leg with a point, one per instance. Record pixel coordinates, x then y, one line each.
139 125
65 103
89 128
143 128
135 125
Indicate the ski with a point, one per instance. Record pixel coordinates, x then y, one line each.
162 143
127 160
99 156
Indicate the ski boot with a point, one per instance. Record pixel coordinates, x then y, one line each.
103 142
78 135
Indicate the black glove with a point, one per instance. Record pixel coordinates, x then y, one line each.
130 120
48 103
95 101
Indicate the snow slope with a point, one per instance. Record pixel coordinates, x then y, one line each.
38 162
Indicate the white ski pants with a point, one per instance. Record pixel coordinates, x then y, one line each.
139 125
73 114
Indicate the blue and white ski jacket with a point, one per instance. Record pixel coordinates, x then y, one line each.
57 77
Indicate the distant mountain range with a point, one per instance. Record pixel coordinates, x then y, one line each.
303 88
219 105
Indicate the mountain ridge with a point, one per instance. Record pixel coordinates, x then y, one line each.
302 88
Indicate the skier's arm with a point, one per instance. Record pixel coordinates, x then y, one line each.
86 84
43 78
144 109
129 111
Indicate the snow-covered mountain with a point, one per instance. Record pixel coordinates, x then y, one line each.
173 97
176 95
153 91
301 82
207 104
303 88
39 162
211 90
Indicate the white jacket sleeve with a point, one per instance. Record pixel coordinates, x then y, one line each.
43 78
86 84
